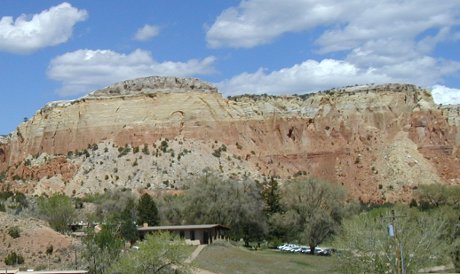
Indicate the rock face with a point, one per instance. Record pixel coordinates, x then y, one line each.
380 142
154 84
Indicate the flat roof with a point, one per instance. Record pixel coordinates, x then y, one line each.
53 272
9 271
181 227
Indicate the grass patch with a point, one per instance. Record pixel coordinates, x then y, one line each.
231 259
189 249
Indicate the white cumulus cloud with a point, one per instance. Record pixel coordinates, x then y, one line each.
147 32
446 96
347 23
51 27
256 22
85 70
392 40
300 78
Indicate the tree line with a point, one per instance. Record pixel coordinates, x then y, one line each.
303 210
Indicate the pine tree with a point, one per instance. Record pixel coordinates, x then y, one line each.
128 229
272 197
147 211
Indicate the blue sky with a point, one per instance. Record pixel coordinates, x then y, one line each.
54 50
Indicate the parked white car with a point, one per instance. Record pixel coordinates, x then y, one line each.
322 251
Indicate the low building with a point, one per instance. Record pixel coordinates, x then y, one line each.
199 234
16 271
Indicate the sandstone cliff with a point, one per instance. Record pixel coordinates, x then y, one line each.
380 142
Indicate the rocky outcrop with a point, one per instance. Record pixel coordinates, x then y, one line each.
154 84
380 142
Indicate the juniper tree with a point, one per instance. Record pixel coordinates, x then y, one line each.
147 211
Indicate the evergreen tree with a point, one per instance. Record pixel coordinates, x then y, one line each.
128 228
271 196
147 211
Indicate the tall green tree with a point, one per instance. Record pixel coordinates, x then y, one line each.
455 254
236 204
58 210
101 249
313 210
147 211
171 209
111 203
158 253
126 220
272 196
367 246
445 201
435 195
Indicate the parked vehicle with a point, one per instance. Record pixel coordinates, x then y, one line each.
298 249
291 248
287 247
326 252
321 251
280 247
304 250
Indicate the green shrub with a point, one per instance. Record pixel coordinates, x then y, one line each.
164 145
27 162
58 210
124 151
455 254
5 195
14 259
40 267
49 249
218 151
14 232
21 199
145 150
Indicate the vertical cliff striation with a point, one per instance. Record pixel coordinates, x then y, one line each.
380 141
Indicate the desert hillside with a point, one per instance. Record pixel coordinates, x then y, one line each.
156 133
33 240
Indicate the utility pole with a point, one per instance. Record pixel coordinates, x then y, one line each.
392 232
